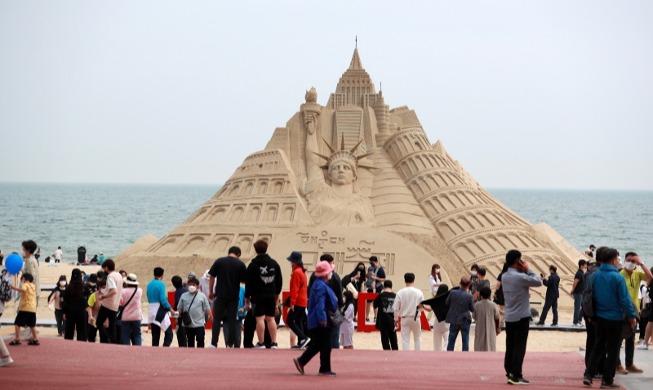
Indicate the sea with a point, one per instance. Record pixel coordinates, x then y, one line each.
108 218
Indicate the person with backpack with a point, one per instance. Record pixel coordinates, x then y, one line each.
610 300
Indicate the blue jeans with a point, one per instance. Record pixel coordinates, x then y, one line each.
453 335
578 299
131 333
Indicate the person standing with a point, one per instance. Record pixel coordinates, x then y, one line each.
159 309
263 285
195 303
298 299
56 298
407 307
178 284
385 318
132 314
611 301
459 316
552 284
482 282
336 286
31 266
487 319
374 282
577 291
515 283
226 274
438 304
435 279
321 301
26 315
58 255
347 326
633 277
74 307
109 303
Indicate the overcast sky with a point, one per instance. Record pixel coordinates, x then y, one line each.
525 94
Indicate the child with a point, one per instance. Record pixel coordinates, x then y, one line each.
26 316
347 326
486 315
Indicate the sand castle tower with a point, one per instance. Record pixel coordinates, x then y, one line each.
355 178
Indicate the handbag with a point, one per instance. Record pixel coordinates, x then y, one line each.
185 315
335 318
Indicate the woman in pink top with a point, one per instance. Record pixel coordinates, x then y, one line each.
130 312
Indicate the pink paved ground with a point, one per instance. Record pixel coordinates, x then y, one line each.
60 364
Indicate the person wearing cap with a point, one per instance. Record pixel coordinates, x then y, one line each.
298 299
195 303
226 274
321 301
132 313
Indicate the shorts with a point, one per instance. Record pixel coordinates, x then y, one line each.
265 305
25 319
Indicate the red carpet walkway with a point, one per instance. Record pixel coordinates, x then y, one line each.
60 364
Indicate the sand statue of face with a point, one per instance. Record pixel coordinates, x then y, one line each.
341 172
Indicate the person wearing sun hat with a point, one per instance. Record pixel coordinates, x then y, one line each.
321 301
298 299
132 313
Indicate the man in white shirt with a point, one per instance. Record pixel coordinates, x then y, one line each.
109 302
407 308
58 255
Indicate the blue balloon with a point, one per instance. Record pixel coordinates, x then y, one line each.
14 263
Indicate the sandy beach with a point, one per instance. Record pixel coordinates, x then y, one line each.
539 341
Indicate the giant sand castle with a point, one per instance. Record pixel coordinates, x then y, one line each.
355 178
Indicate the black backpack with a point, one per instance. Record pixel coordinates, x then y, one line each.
587 304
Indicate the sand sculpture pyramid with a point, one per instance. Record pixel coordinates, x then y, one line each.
355 178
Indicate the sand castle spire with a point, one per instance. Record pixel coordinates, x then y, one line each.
356 61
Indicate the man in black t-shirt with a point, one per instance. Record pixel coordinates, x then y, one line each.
226 275
262 287
385 318
577 291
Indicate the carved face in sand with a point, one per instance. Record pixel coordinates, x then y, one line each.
341 172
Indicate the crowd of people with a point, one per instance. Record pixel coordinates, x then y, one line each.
244 301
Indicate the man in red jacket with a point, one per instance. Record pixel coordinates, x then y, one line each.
298 299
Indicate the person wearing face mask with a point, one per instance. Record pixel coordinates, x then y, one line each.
196 304
321 301
577 291
435 279
633 278
611 302
473 278
55 298
552 284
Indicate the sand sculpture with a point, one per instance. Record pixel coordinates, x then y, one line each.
355 178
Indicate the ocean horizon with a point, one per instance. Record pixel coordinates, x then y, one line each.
109 218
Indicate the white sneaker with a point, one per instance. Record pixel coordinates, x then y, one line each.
211 346
643 346
5 361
